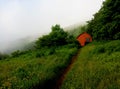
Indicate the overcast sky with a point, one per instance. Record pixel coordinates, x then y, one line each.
21 18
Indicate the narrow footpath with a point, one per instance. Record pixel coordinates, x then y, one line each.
62 78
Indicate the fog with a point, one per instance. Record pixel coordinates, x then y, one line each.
24 18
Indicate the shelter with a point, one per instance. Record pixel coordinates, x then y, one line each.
84 38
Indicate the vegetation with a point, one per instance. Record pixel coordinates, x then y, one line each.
57 37
97 67
106 23
3 56
41 67
18 53
78 30
30 71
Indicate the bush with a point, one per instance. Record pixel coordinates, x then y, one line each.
117 36
3 56
45 52
58 37
39 54
18 53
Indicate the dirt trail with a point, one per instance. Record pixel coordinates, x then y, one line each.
62 78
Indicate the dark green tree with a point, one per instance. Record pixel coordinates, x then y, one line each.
57 37
106 22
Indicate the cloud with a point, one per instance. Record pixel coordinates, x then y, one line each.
21 18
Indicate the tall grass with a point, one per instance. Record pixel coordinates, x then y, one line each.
97 67
35 69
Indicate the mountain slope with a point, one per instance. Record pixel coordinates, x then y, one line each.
97 67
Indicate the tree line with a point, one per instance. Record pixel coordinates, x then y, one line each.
106 22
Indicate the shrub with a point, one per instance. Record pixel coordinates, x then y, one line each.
98 49
39 54
3 56
18 53
55 38
45 52
117 36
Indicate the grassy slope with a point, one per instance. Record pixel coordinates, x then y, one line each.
97 67
28 71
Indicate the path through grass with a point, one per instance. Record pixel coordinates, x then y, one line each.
97 67
66 70
33 71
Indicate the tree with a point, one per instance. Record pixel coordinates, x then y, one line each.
57 37
106 23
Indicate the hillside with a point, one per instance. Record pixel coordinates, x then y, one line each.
48 59
35 69
38 68
97 67
106 22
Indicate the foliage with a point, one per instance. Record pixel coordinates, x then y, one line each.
18 53
106 23
57 37
40 67
3 56
31 71
97 67
117 35
45 52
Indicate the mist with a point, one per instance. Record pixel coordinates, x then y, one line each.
30 18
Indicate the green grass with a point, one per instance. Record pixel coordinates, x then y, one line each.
33 70
97 67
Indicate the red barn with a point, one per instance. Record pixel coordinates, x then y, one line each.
84 38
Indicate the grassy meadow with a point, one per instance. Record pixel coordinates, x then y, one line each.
37 69
97 67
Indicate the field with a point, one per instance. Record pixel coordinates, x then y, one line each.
37 69
97 67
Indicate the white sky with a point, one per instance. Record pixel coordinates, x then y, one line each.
21 18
